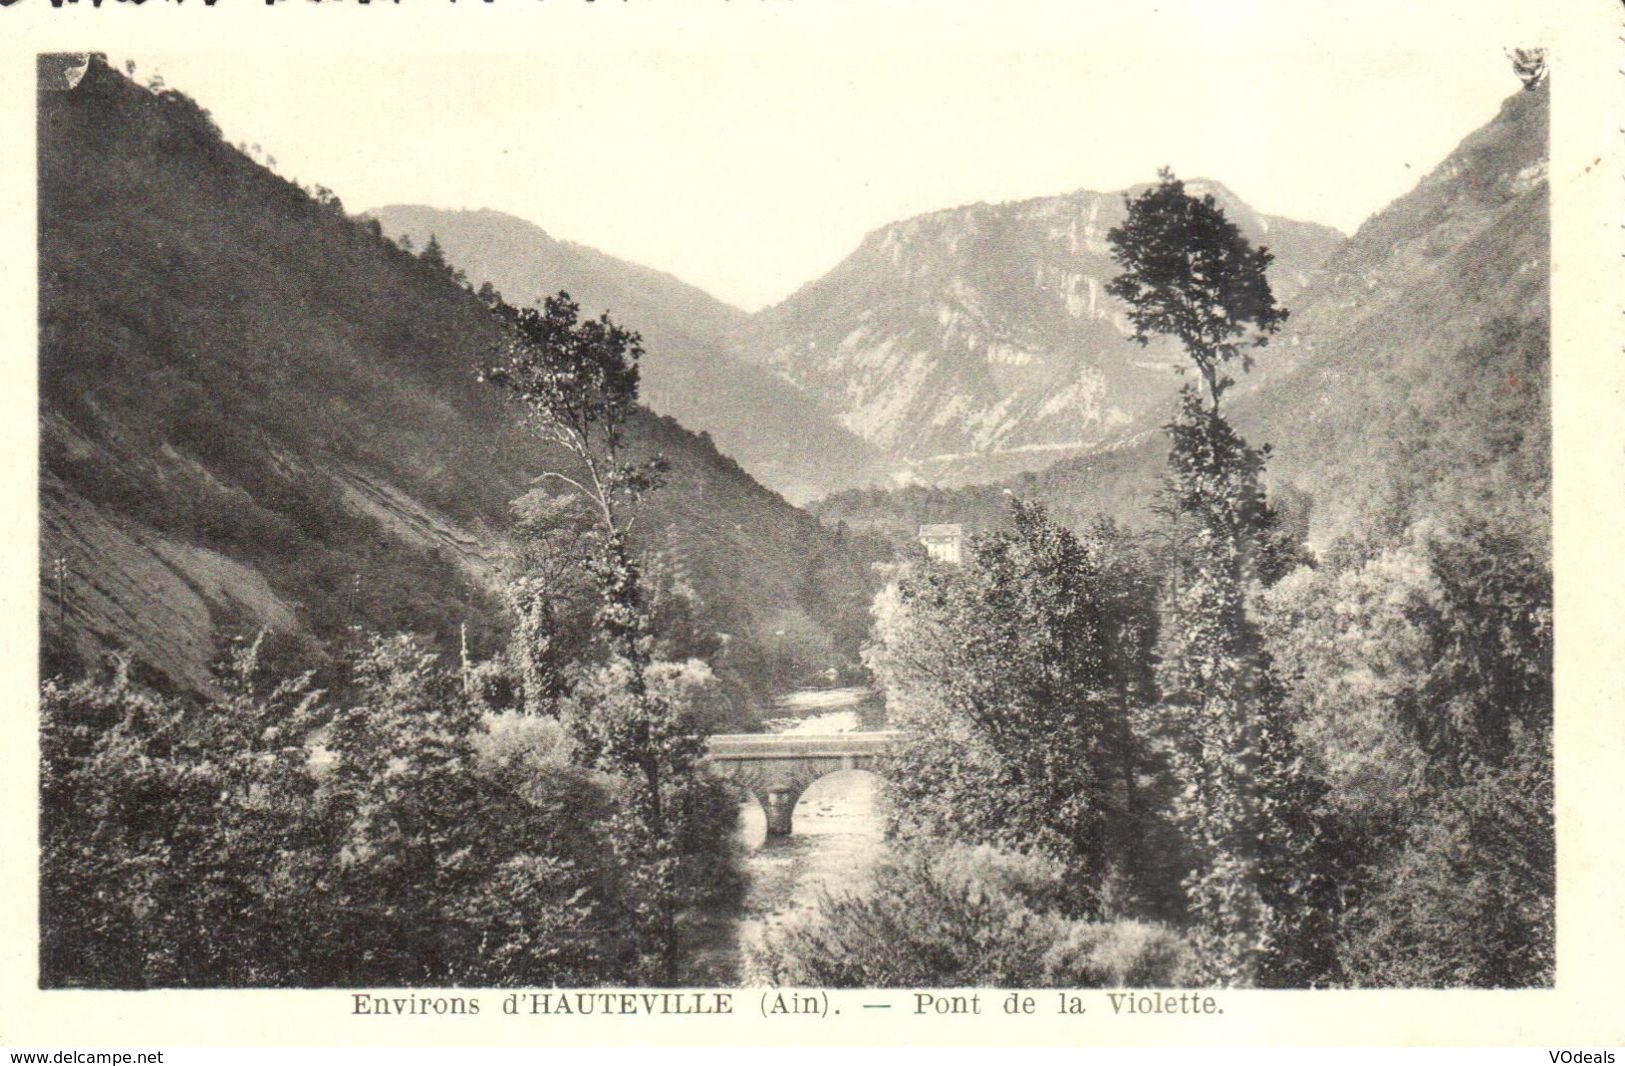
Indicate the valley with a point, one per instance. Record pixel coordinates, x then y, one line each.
413 580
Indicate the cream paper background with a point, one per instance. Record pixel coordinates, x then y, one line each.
1588 209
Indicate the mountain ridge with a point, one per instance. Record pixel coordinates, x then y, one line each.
1411 378
690 369
1044 389
983 331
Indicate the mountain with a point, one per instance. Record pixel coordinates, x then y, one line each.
690 370
1411 380
980 339
1420 380
255 411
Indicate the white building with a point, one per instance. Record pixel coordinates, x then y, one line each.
943 542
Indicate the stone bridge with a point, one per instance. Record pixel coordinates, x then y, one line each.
778 767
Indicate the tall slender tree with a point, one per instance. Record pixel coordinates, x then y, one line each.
1245 800
577 381
1191 274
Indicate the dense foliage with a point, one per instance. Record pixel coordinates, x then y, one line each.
1421 678
1014 678
1342 759
407 836
968 917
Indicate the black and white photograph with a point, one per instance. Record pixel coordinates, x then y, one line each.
1002 510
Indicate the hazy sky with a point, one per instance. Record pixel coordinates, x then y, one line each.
748 148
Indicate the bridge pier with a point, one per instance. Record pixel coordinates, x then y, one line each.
780 804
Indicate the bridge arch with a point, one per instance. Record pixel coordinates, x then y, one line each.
779 767
779 799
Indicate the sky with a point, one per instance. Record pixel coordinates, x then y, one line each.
747 149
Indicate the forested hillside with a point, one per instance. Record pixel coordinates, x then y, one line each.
257 411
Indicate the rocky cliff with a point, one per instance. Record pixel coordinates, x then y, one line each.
981 337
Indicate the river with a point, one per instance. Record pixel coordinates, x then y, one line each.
836 840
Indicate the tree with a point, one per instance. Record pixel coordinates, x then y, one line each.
577 381
1245 799
1422 677
434 255
1013 679
550 597
1190 273
328 199
1529 64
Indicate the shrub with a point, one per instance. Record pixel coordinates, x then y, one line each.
955 916
160 819
526 745
403 837
1468 900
